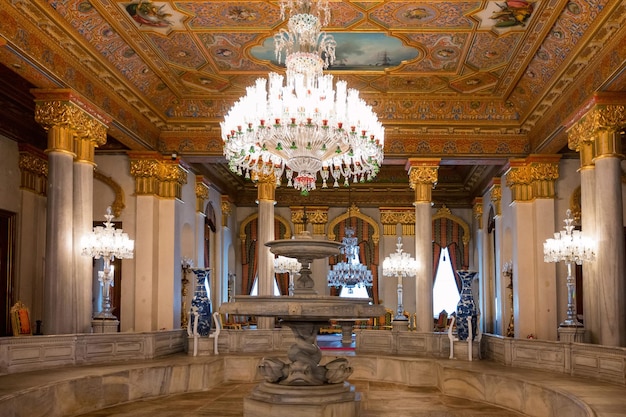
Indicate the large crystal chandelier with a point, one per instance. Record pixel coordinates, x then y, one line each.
399 264
351 272
303 126
107 243
571 247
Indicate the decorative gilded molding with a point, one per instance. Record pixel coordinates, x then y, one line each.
202 193
519 180
423 177
601 126
445 213
33 167
391 217
354 211
279 218
477 210
118 204
495 195
226 207
315 215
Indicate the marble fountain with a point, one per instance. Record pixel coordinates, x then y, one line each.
303 386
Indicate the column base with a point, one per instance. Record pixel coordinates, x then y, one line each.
571 334
400 325
275 400
104 325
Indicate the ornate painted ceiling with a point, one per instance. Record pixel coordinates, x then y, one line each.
471 82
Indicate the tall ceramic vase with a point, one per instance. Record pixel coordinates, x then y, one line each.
466 306
201 301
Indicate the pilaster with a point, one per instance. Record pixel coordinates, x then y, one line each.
390 217
314 215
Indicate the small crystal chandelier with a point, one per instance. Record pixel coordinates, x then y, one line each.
399 264
283 264
350 273
107 243
569 246
303 127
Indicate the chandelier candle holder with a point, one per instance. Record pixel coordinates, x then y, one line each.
283 264
571 247
351 272
399 264
107 243
301 126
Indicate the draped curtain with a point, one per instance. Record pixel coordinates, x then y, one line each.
368 252
250 256
449 234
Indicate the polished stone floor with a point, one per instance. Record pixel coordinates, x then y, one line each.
378 400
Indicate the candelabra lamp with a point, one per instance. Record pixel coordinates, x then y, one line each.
399 264
283 264
507 272
107 243
571 247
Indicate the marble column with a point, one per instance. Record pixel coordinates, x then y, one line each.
422 178
486 307
534 289
609 225
266 197
66 297
90 134
158 190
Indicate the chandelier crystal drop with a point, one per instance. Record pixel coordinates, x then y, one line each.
351 272
300 125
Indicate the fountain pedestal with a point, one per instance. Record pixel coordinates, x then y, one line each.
303 387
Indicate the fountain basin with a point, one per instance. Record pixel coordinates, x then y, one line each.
313 308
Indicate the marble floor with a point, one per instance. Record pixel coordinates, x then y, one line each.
378 400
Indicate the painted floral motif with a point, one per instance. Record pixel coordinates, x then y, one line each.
466 306
513 13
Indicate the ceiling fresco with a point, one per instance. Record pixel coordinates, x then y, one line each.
460 80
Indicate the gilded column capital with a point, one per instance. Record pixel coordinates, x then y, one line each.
266 187
519 180
33 167
477 210
172 177
202 193
544 171
155 175
391 217
226 207
495 195
423 177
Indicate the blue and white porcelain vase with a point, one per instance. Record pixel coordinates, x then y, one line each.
201 301
466 306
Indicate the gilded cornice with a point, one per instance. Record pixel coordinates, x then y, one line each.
34 171
226 207
202 193
391 217
118 204
477 210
